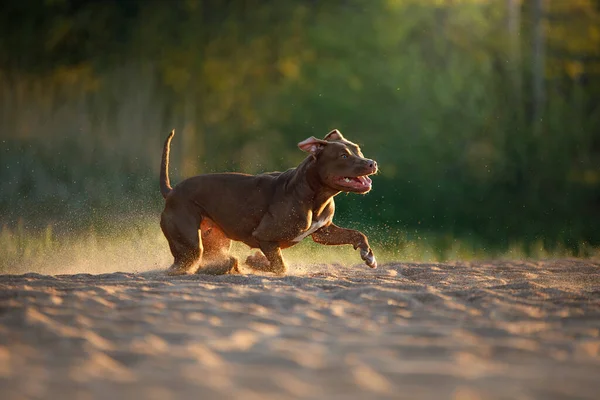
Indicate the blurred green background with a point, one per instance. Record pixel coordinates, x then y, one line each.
484 116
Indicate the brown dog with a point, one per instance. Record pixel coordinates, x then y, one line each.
269 211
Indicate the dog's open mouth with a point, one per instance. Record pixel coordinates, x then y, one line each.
355 183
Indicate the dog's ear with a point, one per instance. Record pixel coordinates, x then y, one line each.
334 135
312 145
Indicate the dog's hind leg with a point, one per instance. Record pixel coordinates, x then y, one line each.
216 259
181 231
214 241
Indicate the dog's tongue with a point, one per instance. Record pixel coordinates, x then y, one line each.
365 180
358 182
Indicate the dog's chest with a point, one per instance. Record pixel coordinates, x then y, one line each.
313 227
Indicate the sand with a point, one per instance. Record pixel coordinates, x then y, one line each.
484 330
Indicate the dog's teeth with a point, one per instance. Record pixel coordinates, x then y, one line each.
347 179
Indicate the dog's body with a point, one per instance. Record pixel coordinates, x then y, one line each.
268 211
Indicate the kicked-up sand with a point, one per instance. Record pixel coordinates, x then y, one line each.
482 330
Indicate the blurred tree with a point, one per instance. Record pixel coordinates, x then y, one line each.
539 60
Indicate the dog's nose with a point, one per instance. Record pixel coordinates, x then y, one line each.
372 164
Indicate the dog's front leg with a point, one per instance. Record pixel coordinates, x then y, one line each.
274 262
334 235
272 251
268 237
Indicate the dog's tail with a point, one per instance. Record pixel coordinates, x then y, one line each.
165 184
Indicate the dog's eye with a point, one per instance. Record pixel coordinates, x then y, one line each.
344 155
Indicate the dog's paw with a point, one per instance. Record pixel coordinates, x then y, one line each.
228 266
368 258
281 272
176 270
258 261
234 268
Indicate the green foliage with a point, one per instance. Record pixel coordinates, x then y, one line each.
430 89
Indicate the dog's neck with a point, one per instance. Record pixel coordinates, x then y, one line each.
306 183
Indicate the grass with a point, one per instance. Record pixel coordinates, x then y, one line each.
138 245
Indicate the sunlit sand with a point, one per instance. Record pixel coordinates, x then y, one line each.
482 330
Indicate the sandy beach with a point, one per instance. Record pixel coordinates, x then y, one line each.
482 330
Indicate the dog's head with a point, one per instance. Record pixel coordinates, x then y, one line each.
340 163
